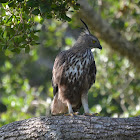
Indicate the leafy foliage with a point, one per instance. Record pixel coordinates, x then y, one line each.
124 17
17 27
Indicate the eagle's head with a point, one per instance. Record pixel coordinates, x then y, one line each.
88 40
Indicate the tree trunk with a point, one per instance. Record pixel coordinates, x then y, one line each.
72 128
115 40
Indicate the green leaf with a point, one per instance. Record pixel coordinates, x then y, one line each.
4 47
45 8
36 11
68 41
53 6
65 17
17 50
4 1
49 16
22 46
9 19
27 49
77 6
20 0
11 4
32 3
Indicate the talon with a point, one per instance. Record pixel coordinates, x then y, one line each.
88 114
72 114
91 114
56 114
96 114
76 113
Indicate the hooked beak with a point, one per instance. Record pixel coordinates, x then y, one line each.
100 47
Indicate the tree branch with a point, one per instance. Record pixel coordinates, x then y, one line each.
70 128
115 40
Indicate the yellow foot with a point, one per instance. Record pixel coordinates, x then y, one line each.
72 114
56 114
91 114
76 113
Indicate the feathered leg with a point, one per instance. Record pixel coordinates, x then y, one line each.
70 110
84 100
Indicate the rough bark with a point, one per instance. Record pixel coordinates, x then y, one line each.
115 40
72 128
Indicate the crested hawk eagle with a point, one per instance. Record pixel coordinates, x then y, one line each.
73 74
